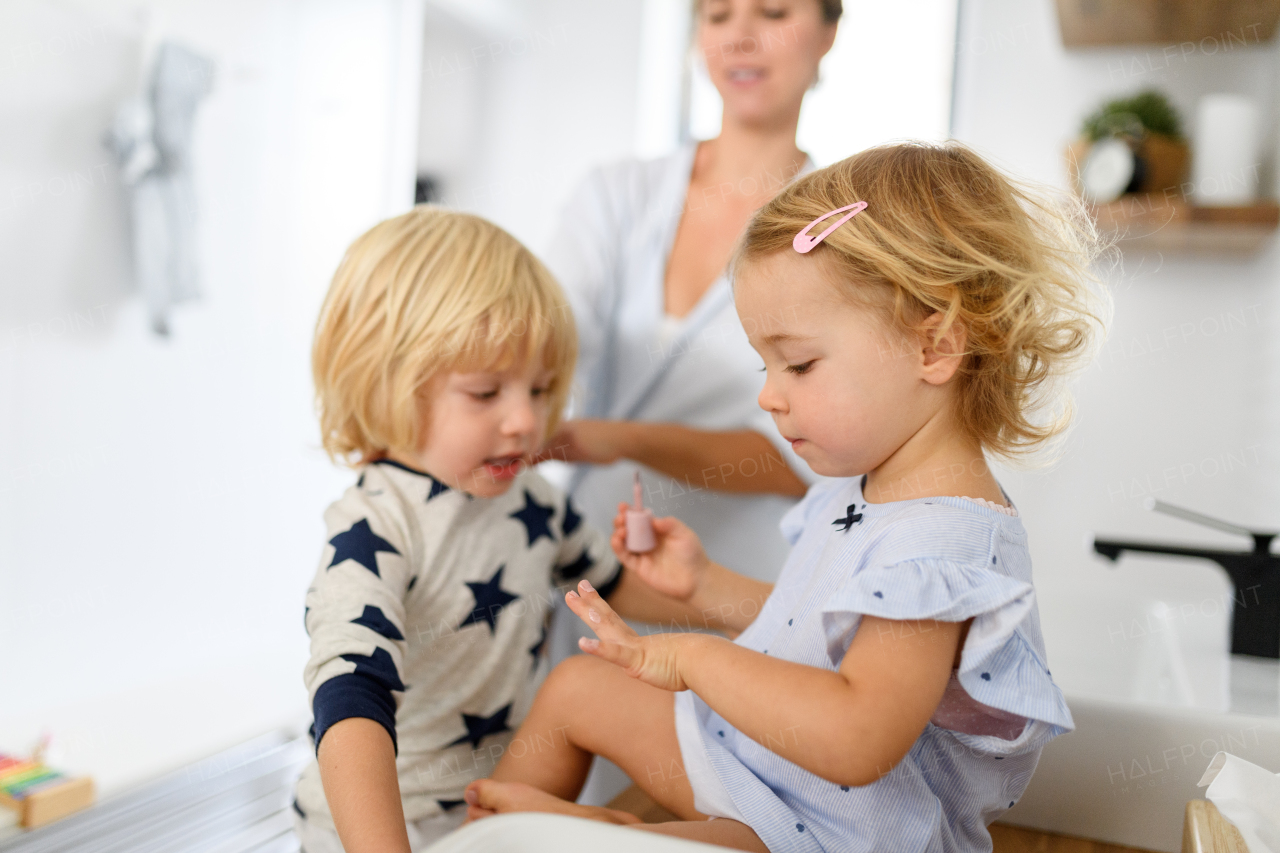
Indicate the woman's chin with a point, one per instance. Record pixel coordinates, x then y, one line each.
758 108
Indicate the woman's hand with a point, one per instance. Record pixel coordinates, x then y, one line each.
653 659
676 567
598 442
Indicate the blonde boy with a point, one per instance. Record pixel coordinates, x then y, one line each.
442 359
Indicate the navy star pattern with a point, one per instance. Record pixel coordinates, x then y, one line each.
535 516
437 488
375 620
577 568
850 518
536 648
379 667
571 518
490 599
361 544
446 805
480 727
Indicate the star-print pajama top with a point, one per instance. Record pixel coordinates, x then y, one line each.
941 558
428 615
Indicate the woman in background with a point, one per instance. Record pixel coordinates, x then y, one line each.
665 372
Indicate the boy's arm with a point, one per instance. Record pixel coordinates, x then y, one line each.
356 620
358 771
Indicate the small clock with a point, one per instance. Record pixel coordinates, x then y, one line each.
1109 169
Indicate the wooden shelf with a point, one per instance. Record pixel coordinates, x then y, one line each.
1232 24
1154 222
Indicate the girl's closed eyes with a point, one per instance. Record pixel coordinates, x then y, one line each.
795 368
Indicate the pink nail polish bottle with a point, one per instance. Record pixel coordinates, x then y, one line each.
639 522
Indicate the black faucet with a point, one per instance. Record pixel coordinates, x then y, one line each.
1255 575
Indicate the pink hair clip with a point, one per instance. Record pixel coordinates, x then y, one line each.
804 243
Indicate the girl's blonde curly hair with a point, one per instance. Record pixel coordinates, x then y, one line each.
945 232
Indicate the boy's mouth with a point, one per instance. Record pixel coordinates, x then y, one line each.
504 467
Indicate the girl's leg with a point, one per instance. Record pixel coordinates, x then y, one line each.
721 832
589 707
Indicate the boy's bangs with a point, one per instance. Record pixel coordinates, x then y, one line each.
502 339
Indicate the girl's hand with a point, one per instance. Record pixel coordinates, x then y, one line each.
677 565
598 442
652 659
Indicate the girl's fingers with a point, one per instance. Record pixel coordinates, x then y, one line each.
591 598
617 640
619 544
626 656
587 604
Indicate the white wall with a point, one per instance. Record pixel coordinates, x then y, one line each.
520 100
1182 402
160 500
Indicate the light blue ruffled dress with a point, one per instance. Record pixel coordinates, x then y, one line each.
943 558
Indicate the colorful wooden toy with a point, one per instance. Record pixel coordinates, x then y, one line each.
38 793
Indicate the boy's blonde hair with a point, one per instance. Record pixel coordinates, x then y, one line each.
946 232
423 293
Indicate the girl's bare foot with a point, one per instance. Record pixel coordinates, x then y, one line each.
486 797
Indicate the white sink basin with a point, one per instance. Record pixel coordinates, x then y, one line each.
1155 695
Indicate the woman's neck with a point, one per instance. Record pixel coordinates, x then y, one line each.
766 153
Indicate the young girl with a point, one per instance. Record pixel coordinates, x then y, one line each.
442 358
914 310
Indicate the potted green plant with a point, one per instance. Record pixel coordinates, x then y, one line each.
1151 129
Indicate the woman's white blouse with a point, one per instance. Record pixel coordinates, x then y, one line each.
610 255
